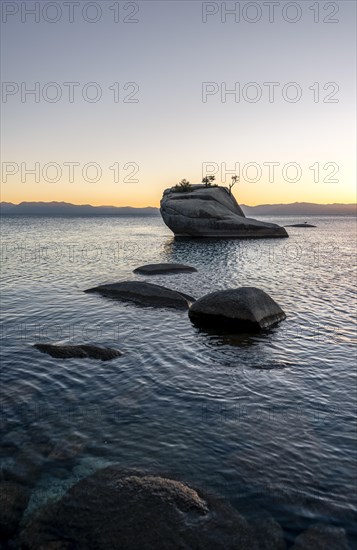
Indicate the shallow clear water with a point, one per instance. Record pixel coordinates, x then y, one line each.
266 421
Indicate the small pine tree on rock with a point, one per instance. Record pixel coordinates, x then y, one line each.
234 181
208 180
183 186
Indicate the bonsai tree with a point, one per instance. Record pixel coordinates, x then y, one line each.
234 181
183 186
208 180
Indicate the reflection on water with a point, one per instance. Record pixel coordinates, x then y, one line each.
263 420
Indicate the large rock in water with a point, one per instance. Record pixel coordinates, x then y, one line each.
115 509
211 212
144 294
245 309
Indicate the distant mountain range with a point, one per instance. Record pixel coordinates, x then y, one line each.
68 209
300 209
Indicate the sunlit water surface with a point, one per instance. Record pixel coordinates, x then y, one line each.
266 421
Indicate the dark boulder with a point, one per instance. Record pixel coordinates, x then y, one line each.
245 309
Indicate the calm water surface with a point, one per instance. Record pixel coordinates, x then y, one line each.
266 421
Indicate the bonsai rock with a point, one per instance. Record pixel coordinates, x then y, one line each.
211 212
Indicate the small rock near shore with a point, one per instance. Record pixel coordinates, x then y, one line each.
158 269
300 225
81 352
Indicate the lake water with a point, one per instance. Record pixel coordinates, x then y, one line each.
265 421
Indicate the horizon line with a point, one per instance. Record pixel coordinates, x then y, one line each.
157 207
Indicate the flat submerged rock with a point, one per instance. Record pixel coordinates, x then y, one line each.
82 351
115 509
144 294
245 309
157 269
300 225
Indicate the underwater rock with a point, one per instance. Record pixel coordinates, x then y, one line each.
13 501
322 537
26 467
68 449
115 509
269 533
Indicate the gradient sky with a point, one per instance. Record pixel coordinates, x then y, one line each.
170 132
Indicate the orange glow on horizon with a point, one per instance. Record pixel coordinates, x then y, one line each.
140 197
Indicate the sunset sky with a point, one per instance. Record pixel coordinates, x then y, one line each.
163 126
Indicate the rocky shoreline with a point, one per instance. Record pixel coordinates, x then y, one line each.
115 508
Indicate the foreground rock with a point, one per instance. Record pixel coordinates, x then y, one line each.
245 309
114 509
81 352
322 537
211 212
13 501
158 269
145 294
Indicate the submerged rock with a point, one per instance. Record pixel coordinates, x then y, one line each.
144 294
26 467
322 537
68 449
116 509
269 533
244 309
211 212
157 269
13 501
82 351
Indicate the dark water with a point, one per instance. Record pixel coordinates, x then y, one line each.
266 421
